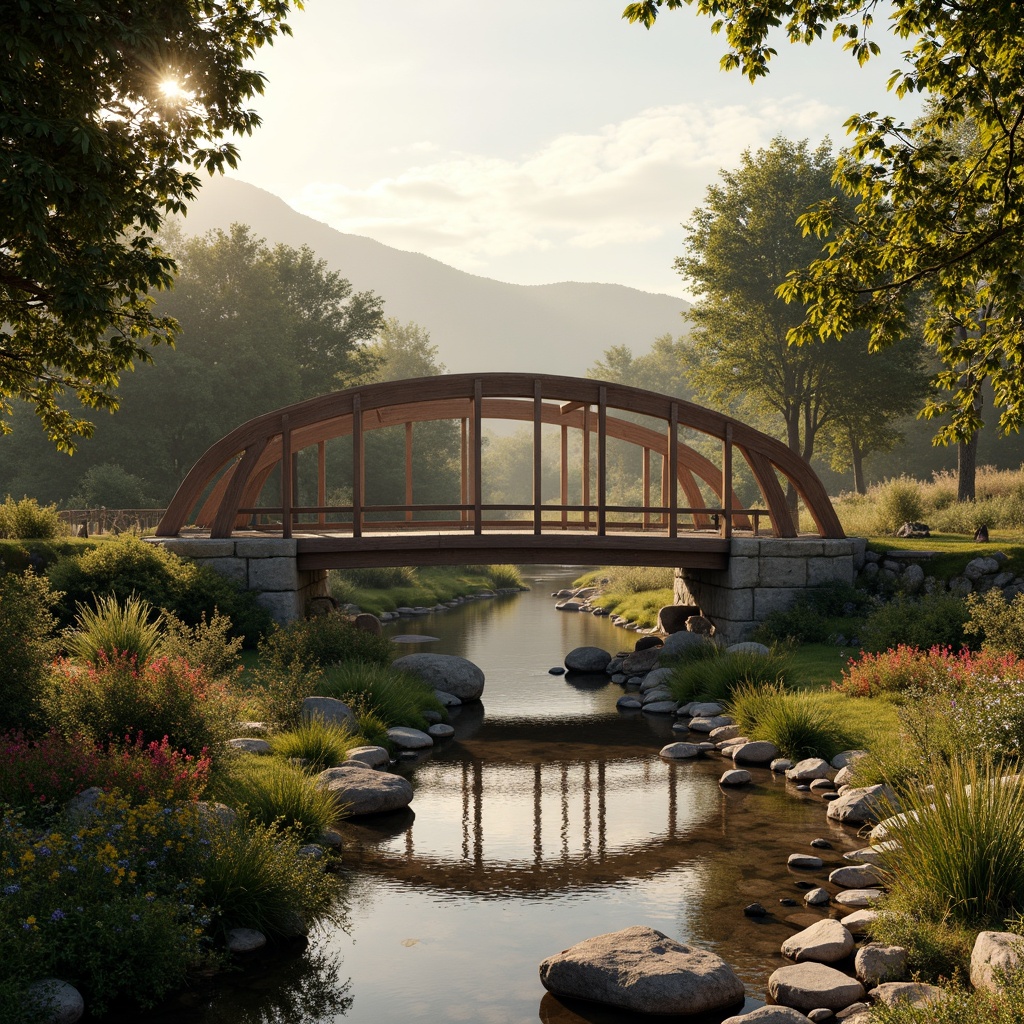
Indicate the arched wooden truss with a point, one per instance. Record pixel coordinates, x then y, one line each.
221 491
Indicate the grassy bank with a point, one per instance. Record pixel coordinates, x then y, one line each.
384 590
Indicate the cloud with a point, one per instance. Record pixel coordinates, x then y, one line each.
604 194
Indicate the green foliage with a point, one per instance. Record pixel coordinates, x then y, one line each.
960 854
113 629
27 645
504 577
97 155
28 520
372 727
118 698
998 623
207 643
897 502
255 878
397 698
716 676
382 578
322 641
269 791
933 619
111 904
127 566
318 743
110 485
936 950
797 723
279 690
961 1006
813 616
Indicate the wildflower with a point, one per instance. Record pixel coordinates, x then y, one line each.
57 915
10 890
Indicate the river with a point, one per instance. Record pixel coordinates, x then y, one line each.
548 818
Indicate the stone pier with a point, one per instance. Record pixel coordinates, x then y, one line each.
266 565
765 575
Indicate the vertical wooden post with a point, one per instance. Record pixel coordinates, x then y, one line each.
727 480
538 469
586 468
464 495
357 466
286 477
321 480
647 487
602 458
408 471
295 482
673 471
564 488
478 398
663 517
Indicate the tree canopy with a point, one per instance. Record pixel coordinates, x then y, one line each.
107 110
928 212
740 245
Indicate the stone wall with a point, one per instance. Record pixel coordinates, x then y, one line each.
765 575
266 565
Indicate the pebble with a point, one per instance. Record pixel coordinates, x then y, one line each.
755 910
821 844
556 671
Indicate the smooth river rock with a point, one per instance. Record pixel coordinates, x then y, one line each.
858 897
916 993
735 777
366 790
809 769
861 804
807 986
877 962
642 970
856 876
371 756
53 1001
406 738
824 942
756 752
679 751
995 952
770 1015
587 659
330 710
446 672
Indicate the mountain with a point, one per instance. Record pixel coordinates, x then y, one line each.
478 324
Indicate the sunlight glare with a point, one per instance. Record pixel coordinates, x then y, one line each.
171 89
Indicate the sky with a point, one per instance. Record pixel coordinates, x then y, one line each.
530 141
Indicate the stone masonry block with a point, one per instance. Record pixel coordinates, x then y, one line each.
265 547
773 599
783 572
860 546
235 569
742 572
273 574
719 603
285 606
829 570
749 547
836 546
795 547
196 547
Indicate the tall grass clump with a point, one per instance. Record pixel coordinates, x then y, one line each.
958 853
898 501
397 698
270 790
318 743
382 577
717 676
28 520
504 577
113 629
799 724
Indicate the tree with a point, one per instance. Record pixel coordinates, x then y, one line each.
741 244
659 370
920 219
107 109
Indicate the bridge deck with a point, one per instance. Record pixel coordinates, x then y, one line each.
458 547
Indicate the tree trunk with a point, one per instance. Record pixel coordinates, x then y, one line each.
857 457
967 466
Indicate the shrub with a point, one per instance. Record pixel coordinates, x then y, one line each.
899 501
381 578
280 691
110 485
797 723
320 744
717 676
207 643
811 619
322 641
111 905
917 622
28 644
959 855
255 878
113 629
998 623
396 697
164 698
127 566
966 516
42 775
961 1006
936 950
28 520
270 790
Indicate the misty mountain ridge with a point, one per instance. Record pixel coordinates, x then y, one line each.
478 324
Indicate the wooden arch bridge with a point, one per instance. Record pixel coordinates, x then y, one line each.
250 479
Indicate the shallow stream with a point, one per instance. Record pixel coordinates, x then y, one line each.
549 818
